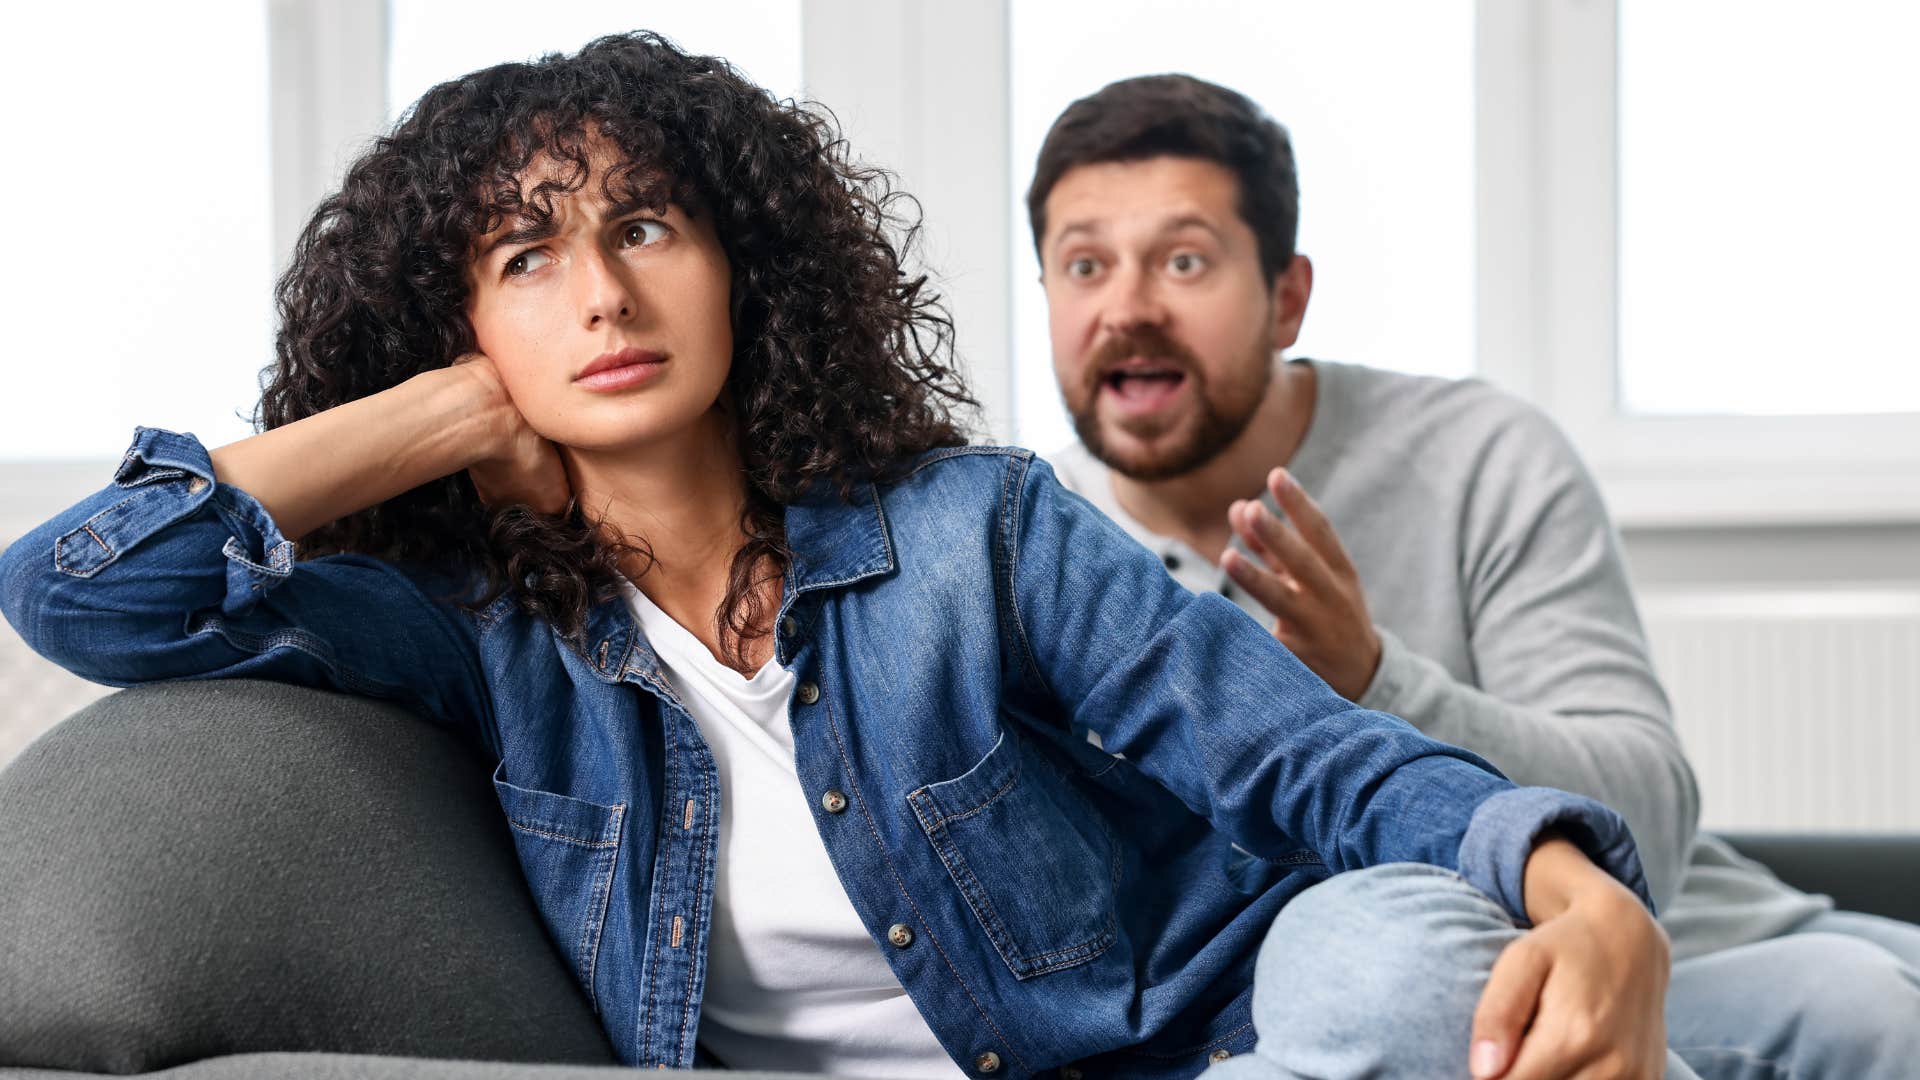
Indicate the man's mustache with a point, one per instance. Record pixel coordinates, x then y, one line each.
1148 343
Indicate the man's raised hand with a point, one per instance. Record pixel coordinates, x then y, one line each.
1301 573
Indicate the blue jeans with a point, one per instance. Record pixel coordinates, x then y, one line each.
1376 972
1837 996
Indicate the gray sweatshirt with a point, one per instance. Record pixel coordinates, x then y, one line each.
1495 580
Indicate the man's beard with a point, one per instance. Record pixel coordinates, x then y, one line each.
1219 420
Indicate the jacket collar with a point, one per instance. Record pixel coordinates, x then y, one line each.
837 541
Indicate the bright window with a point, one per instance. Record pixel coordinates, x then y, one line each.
139 287
1378 98
436 40
1768 218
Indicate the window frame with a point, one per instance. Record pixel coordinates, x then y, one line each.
1549 295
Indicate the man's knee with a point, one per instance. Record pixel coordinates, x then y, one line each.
1816 1004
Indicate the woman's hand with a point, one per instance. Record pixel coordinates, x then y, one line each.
1583 993
520 465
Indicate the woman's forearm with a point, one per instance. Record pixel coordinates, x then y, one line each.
339 462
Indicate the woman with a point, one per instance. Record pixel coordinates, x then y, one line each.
611 431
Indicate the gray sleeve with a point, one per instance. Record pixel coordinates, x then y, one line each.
1566 693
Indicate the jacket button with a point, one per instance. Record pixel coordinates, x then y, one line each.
900 934
809 693
988 1062
1218 1056
833 801
788 626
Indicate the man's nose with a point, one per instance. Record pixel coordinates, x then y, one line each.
1132 300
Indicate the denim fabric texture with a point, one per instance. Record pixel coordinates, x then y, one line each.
1377 973
955 636
1836 996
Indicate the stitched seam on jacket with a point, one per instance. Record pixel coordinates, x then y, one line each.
1012 485
597 919
686 1010
933 939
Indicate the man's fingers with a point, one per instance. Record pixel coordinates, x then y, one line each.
1280 538
1243 527
1274 592
1507 1006
1313 524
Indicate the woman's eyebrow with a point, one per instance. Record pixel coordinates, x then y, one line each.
536 230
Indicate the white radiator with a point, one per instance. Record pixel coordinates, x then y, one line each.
1799 710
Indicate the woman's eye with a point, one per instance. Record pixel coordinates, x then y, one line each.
1186 264
642 233
526 262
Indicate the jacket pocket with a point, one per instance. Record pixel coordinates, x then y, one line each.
1034 862
568 849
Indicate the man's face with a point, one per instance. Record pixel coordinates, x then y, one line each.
1164 328
612 327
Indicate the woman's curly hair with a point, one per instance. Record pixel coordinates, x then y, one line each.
842 367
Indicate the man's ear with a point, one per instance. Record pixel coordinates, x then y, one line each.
1292 288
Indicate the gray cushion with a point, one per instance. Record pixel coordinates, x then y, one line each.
357 1067
196 869
1878 873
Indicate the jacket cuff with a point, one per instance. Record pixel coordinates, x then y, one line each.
1502 833
168 476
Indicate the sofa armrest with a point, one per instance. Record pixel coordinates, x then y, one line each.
1876 873
212 868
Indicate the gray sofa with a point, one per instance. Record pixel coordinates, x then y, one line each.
248 879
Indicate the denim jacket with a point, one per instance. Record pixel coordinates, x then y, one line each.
955 636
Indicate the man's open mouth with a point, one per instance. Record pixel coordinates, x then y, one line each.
1143 384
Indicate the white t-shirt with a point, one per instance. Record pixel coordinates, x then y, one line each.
794 982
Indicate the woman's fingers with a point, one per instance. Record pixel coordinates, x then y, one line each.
1506 1008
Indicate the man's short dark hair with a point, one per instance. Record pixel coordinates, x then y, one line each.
1180 116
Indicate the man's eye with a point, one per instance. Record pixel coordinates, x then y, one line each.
1082 268
526 262
642 233
1186 263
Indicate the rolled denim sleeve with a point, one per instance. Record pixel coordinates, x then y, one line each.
1208 703
168 574
1507 824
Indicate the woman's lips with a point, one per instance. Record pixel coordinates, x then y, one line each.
620 370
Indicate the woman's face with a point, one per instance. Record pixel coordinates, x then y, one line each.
609 325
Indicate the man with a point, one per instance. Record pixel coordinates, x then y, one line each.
1430 548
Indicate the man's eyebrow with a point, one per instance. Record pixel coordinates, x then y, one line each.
1192 221
1073 227
1183 221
